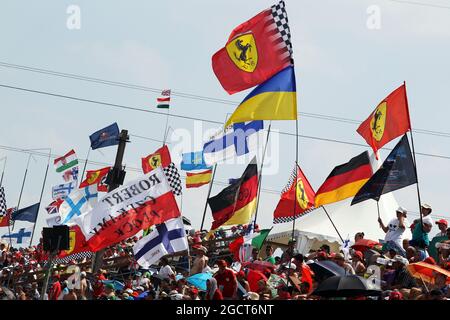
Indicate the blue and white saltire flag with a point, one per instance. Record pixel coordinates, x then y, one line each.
20 238
236 140
78 202
193 161
166 238
63 190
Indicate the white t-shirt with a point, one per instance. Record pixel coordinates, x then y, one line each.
395 233
165 272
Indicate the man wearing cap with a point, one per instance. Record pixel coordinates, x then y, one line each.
420 232
226 280
442 225
395 231
402 278
109 293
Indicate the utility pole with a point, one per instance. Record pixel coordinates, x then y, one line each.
114 180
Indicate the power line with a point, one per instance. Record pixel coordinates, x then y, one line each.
196 119
421 4
188 95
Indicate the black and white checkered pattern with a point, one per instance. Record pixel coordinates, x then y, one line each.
280 19
76 256
290 181
2 202
288 219
174 178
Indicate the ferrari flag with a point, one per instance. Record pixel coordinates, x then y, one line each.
123 212
96 177
388 121
255 51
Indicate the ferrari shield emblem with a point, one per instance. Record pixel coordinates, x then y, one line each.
155 161
72 241
92 177
242 51
378 122
302 198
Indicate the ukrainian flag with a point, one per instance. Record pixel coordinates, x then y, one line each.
274 99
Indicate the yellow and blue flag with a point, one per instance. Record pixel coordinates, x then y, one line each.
274 99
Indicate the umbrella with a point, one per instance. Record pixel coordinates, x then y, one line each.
345 286
326 269
117 284
427 272
199 280
364 244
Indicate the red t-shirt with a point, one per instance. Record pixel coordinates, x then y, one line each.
56 291
227 279
98 288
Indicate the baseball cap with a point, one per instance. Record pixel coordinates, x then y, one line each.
442 221
402 210
399 258
426 206
221 263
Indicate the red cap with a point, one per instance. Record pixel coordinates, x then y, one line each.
221 263
358 254
395 295
194 290
442 221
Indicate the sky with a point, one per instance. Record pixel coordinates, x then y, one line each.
343 68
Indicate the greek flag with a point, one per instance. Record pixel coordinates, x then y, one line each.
165 238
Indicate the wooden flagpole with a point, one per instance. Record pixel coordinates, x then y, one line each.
260 175
414 157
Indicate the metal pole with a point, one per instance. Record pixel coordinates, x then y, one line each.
333 223
378 208
167 123
85 164
296 177
207 197
23 184
3 172
113 184
40 198
260 175
414 157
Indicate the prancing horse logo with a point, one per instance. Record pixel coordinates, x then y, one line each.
378 122
302 197
243 52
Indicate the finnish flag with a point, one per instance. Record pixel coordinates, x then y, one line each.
166 238
78 202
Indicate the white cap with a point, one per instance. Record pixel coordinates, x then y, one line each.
402 210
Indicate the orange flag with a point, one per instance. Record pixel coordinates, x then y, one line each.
388 121
96 177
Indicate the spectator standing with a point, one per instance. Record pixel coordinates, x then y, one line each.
395 232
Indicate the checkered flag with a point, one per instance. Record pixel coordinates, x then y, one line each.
2 202
283 36
291 180
174 178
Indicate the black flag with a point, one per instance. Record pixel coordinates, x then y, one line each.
396 172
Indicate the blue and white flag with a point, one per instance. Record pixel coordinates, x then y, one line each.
165 238
236 140
20 238
193 161
63 190
78 202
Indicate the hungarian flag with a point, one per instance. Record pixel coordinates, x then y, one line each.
164 100
345 180
241 247
66 162
298 194
123 212
160 157
255 51
77 242
388 121
236 203
96 177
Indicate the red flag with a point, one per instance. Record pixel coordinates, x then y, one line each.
77 242
160 157
5 220
255 51
298 190
96 177
388 121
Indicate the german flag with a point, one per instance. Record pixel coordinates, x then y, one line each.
198 179
345 180
236 203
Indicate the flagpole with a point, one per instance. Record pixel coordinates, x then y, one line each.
3 172
333 224
296 177
167 123
260 174
42 193
23 184
378 208
414 157
210 186
85 164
